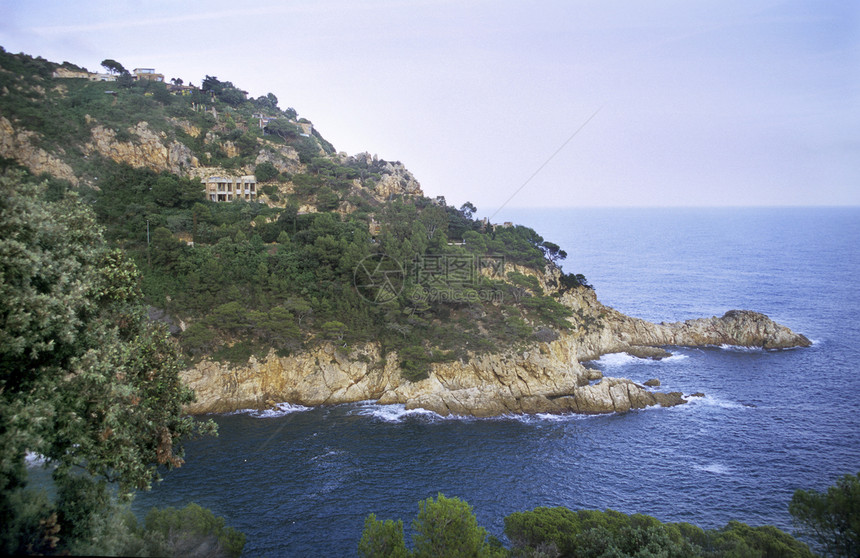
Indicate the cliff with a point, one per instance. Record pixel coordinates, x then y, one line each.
57 121
489 324
549 377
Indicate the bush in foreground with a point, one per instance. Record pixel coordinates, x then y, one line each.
832 518
447 527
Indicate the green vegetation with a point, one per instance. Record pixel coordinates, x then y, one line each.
64 112
382 539
591 533
446 527
831 519
193 531
247 277
86 381
260 278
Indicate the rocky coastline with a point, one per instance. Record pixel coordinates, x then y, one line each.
544 378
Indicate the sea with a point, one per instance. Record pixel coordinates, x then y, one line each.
300 481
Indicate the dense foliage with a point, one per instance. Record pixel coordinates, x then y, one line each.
594 534
446 527
258 278
832 518
86 381
294 269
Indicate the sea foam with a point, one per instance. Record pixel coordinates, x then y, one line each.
617 360
34 459
396 412
279 410
716 468
711 401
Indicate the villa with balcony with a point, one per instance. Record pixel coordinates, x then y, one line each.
230 188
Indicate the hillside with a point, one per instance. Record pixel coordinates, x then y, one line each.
324 247
291 273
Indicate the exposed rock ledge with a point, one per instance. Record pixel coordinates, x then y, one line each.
547 377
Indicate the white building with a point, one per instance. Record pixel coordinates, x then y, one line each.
230 188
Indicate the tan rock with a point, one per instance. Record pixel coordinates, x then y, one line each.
17 145
547 378
146 150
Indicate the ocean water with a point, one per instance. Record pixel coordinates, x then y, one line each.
299 481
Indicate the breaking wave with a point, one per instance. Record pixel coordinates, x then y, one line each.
280 410
616 360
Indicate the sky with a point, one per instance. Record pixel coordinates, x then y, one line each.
578 103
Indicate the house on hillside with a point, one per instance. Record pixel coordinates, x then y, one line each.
307 128
374 227
230 188
148 74
180 89
264 120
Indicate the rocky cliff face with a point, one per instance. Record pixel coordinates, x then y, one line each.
142 147
610 331
148 150
546 378
19 146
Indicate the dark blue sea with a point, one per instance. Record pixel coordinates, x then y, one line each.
300 482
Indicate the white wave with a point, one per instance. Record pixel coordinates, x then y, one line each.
716 468
674 358
395 412
329 453
560 417
617 360
280 410
546 417
740 348
711 401
35 459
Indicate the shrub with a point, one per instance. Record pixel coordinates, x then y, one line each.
195 531
831 519
382 539
447 527
266 172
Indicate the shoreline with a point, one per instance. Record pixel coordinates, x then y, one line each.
543 378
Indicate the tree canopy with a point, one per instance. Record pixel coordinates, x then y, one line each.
447 527
85 380
444 528
114 67
831 518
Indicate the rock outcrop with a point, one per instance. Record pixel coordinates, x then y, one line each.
611 331
282 157
540 381
396 179
547 378
18 145
148 149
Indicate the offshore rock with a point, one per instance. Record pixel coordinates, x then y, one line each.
546 378
604 330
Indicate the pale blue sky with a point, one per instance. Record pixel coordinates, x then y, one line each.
700 103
